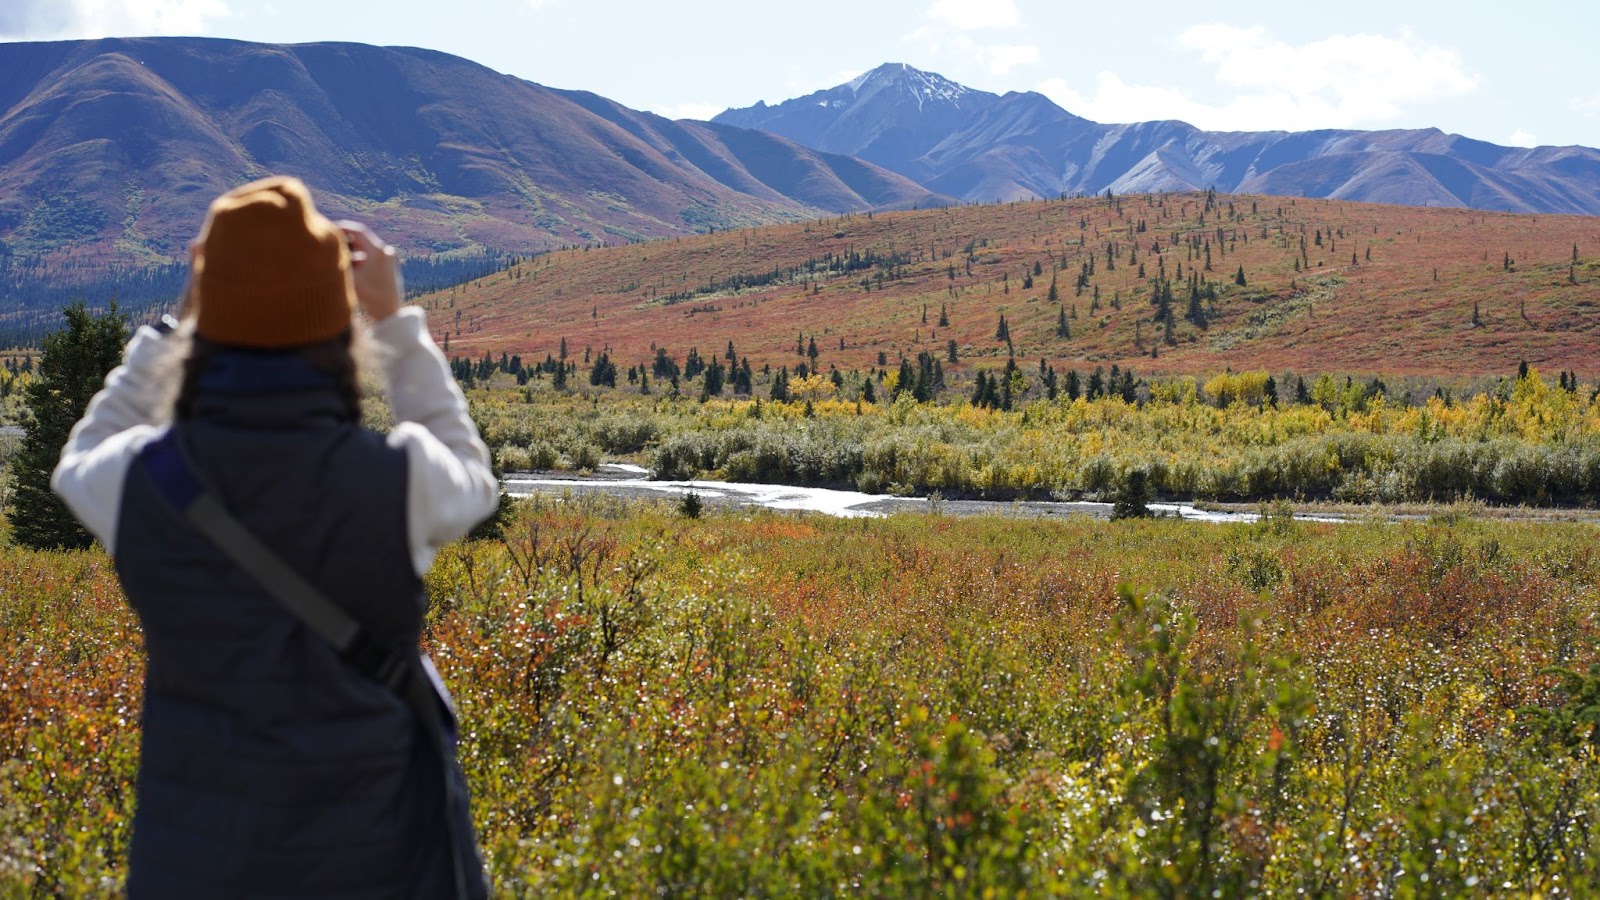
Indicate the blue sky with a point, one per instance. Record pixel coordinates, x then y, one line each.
1522 75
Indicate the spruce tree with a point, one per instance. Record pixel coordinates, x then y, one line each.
1008 381
1196 312
715 378
73 364
1132 497
1128 387
906 381
604 372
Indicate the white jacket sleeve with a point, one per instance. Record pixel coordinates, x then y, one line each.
128 413
451 487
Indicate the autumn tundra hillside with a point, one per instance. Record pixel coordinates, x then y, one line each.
1190 283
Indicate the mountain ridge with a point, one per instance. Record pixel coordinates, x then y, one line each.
110 150
1022 145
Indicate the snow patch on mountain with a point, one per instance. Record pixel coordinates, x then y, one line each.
928 86
857 83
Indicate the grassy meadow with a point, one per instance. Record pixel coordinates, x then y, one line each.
759 704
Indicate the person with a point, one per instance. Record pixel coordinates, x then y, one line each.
271 764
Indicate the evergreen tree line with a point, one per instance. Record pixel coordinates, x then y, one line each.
37 295
1011 386
923 379
427 274
38 292
890 264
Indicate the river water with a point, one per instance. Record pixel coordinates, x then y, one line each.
633 481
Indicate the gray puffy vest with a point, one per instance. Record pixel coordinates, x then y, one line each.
270 766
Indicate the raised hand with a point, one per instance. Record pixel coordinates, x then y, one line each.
376 271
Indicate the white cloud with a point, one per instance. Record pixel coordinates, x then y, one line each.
970 15
1002 58
1368 70
1114 100
1588 106
999 59
537 5
61 19
1341 81
700 112
945 33
1521 138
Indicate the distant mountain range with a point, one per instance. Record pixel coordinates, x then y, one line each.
111 149
984 147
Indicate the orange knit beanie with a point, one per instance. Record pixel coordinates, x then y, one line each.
271 272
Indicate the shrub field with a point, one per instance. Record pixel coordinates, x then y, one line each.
1517 441
752 704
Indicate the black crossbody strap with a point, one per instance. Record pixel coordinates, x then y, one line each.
308 604
178 480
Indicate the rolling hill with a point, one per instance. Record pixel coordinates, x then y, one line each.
1329 286
111 149
984 147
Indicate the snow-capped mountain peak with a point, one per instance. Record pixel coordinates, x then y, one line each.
921 86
